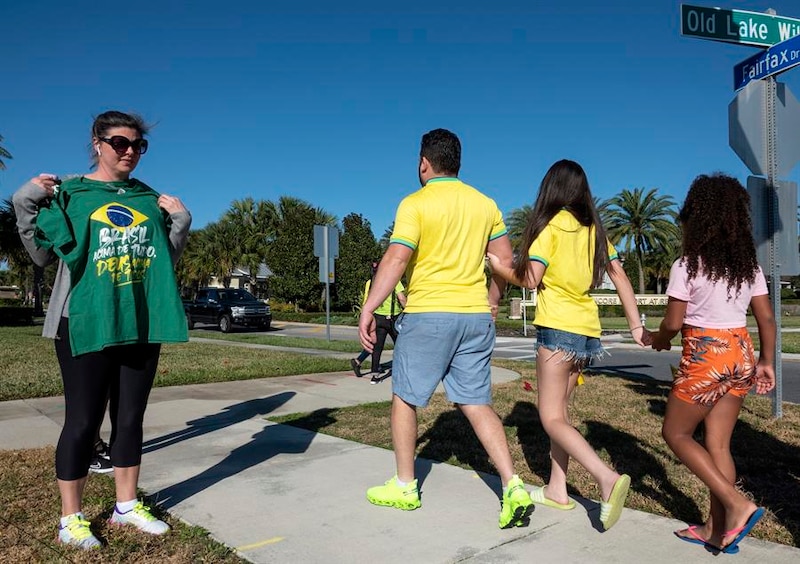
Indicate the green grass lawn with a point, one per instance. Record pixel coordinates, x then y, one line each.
294 342
29 369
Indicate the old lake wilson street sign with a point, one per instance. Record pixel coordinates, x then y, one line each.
737 26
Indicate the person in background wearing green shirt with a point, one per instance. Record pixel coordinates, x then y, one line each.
116 241
385 317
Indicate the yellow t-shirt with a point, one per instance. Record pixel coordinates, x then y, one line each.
448 224
566 249
386 307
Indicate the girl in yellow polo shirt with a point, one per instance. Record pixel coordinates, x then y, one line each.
564 253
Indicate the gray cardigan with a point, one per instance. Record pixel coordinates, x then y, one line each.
26 202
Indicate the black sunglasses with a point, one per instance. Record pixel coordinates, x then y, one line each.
120 144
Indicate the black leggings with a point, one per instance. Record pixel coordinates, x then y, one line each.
124 374
383 326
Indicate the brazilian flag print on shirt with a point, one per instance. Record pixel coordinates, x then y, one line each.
114 239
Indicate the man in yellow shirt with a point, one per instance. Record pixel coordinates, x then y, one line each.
446 333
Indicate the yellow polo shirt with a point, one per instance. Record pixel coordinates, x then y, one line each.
566 248
386 307
448 225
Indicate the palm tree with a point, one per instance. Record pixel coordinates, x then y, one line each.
658 262
210 251
10 243
517 220
278 215
642 221
197 264
13 253
254 227
3 155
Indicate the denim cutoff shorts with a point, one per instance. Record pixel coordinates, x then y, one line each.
579 349
452 348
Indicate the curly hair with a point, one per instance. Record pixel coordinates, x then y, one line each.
718 231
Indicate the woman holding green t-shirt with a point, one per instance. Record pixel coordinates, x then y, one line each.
116 241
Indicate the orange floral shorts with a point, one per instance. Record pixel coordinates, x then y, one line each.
714 362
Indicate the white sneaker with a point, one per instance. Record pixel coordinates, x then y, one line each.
76 532
141 518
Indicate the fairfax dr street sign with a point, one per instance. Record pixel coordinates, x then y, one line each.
777 58
737 26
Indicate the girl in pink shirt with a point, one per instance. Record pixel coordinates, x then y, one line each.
710 289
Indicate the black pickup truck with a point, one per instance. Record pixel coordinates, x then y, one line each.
226 307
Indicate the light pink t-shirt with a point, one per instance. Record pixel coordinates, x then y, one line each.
708 304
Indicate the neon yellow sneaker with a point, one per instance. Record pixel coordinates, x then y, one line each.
76 532
517 505
141 518
392 495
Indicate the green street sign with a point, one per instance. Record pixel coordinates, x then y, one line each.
737 26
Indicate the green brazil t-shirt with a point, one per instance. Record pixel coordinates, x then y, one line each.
114 239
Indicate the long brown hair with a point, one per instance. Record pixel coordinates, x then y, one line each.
566 187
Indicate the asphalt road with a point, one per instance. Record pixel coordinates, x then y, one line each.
631 361
624 359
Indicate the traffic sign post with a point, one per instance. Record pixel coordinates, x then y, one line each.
748 133
763 202
737 26
326 247
760 104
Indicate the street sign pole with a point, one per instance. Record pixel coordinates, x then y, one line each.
327 259
771 136
326 247
754 117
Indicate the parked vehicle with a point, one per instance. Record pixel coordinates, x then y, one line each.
227 307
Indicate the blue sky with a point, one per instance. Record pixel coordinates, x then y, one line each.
326 101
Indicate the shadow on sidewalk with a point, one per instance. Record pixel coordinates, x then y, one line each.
270 441
230 415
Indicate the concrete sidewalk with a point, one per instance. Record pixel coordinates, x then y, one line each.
276 493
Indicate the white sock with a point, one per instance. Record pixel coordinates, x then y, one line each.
400 482
66 518
505 488
125 506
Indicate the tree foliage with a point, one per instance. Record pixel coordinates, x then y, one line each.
516 221
253 223
290 254
357 249
280 234
641 222
11 249
383 243
4 155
